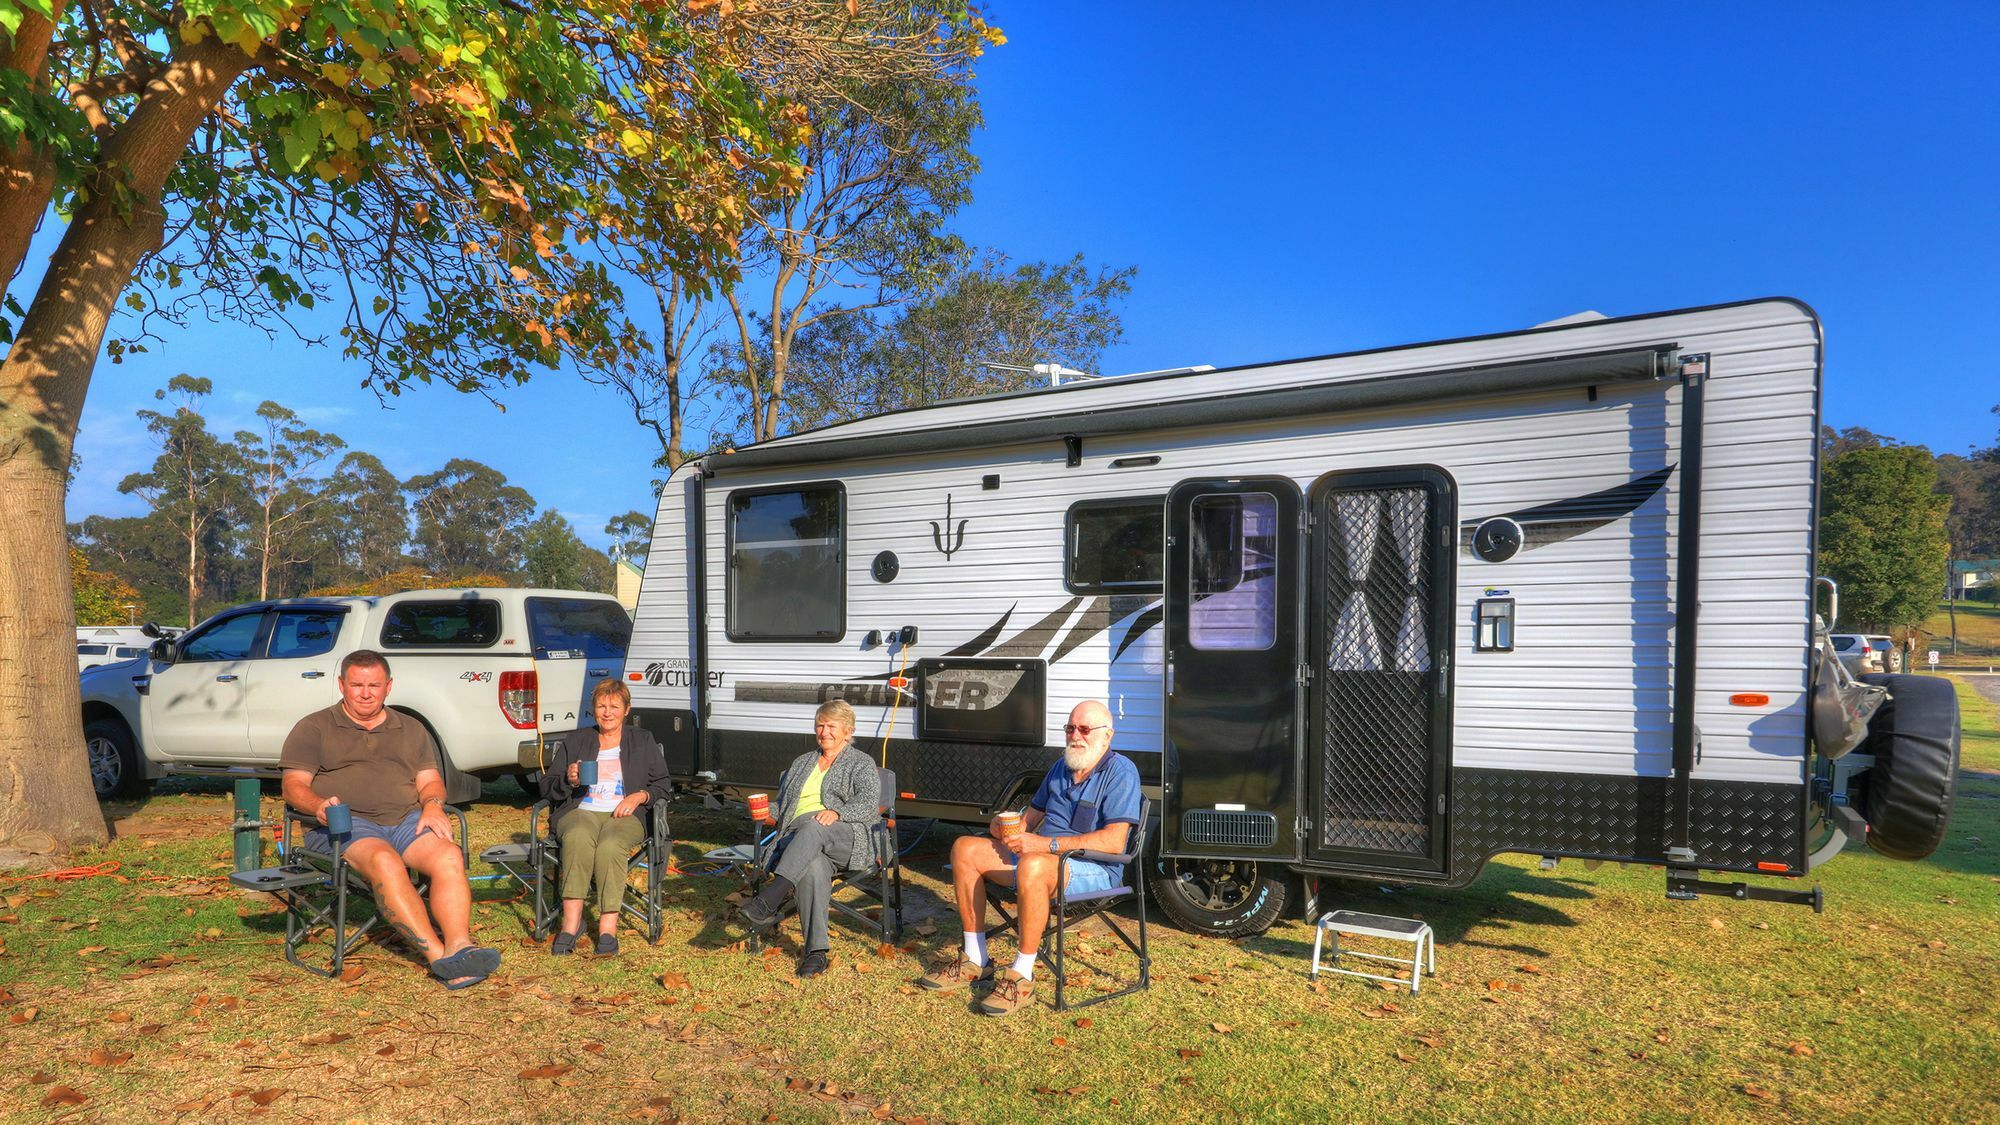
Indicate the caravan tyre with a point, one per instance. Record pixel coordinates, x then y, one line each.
1218 897
1914 740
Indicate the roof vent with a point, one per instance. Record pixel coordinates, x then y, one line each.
1584 317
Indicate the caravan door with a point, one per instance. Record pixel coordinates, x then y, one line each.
1232 648
1380 643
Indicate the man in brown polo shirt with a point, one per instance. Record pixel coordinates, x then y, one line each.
382 765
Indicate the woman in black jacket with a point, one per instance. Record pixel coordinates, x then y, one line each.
597 825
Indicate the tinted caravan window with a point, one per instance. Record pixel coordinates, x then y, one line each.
459 623
1115 545
1233 574
786 582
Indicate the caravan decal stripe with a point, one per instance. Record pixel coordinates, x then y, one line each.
1036 637
1147 618
1570 517
977 644
1093 621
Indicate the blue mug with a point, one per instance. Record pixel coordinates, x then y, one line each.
586 773
339 820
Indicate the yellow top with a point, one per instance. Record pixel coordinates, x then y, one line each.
809 798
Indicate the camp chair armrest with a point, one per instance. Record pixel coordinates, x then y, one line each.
1096 857
535 818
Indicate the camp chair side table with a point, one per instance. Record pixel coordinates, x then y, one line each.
1423 944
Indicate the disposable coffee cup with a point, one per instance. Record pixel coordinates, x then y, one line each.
760 806
1010 825
339 820
586 773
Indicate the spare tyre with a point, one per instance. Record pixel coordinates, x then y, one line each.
1914 740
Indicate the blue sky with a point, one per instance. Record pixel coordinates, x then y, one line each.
1299 180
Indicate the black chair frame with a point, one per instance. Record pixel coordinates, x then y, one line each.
537 865
314 887
881 880
1095 904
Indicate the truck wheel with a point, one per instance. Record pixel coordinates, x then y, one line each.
115 770
1914 739
1218 897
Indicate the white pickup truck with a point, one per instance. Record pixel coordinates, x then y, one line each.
493 674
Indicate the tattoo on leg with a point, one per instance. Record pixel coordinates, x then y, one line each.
410 935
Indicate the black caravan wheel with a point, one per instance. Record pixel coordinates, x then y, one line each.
1219 897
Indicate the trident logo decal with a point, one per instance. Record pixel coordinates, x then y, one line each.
942 534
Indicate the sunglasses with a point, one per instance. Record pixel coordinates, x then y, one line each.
1086 731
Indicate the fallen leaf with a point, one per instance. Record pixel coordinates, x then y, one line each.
118 1017
1430 1041
1800 1050
63 1095
1058 1041
672 980
90 949
194 1105
25 1015
552 1070
1084 1023
885 951
1760 1093
41 1078
266 1097
1189 1053
387 1051
1717 924
594 1048
1934 944
151 1028
1760 925
1388 986
1221 1028
1490 998
1534 970
1405 1056
352 973
101 1056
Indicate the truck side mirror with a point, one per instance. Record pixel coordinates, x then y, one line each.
162 650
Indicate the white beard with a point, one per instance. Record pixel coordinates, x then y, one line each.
1080 757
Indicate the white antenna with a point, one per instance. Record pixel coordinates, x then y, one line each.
1056 373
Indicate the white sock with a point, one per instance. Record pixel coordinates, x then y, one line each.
975 947
1024 964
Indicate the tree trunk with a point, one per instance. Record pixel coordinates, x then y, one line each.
46 801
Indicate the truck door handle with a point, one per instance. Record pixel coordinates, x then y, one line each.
225 678
311 675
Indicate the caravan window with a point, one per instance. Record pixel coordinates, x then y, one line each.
1232 571
786 581
1114 545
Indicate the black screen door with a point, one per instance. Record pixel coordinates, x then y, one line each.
1232 636
1380 644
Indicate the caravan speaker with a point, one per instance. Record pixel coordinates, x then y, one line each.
1497 540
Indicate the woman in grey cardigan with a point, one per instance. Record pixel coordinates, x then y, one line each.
829 802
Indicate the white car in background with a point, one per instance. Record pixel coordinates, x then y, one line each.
494 674
1866 652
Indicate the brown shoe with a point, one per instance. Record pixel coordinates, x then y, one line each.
950 972
1011 990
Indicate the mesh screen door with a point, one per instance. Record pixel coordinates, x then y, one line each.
1380 763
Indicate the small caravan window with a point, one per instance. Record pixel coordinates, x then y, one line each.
1233 571
1114 545
786 581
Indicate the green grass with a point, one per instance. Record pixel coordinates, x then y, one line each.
1978 631
1570 995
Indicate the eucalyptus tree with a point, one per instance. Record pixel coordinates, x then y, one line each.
426 169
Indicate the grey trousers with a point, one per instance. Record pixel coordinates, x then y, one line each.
809 860
600 845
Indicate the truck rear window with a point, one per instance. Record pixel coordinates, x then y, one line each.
462 623
578 629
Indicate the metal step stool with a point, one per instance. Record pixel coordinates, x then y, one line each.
1423 944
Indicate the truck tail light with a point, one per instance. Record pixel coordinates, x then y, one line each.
517 699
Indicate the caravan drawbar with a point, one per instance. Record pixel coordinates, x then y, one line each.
1379 615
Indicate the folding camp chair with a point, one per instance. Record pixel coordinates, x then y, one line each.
536 864
314 887
1090 904
881 880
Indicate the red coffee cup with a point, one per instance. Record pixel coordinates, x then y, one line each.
760 806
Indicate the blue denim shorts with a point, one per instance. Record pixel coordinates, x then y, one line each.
398 836
1084 876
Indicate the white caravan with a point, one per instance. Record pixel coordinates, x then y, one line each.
1383 615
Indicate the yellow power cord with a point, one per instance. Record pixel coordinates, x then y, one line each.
900 683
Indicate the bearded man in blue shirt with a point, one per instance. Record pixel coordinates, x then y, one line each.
1089 800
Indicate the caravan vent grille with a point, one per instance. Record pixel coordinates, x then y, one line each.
1238 829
